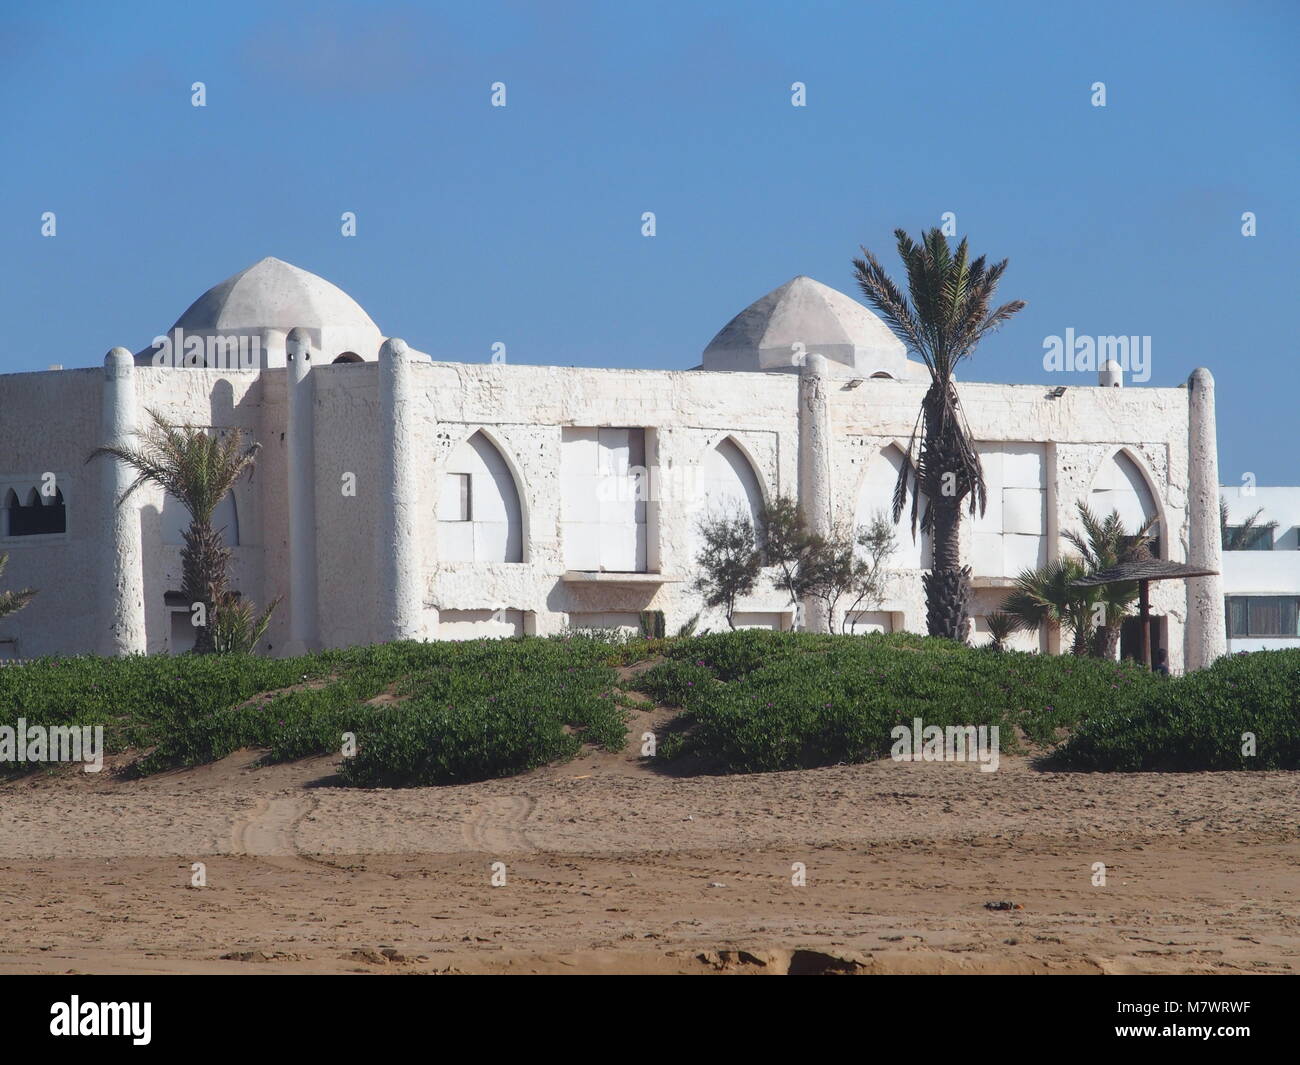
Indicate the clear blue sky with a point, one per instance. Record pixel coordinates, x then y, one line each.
523 224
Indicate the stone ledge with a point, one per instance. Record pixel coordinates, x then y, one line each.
574 576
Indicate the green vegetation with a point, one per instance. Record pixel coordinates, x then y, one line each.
1091 615
12 602
443 713
454 712
1199 721
759 701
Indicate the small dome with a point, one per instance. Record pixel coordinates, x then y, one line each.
806 316
273 294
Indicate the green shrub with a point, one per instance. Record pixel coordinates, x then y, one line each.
1197 721
676 682
771 701
494 724
751 701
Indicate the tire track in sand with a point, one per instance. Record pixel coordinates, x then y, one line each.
268 832
497 826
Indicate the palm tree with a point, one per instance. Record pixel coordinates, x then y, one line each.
11 602
1001 626
1047 595
198 470
947 315
1103 544
1238 537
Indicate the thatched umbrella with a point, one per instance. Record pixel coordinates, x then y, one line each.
1139 566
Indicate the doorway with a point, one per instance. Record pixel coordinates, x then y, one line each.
1130 638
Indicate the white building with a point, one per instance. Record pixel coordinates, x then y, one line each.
396 496
1261 581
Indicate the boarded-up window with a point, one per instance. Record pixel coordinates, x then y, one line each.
603 499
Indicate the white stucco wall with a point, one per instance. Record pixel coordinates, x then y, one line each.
1041 456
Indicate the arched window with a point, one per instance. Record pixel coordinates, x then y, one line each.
348 356
876 496
176 519
728 483
727 487
1121 485
42 515
479 516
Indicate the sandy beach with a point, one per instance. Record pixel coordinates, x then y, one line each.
611 867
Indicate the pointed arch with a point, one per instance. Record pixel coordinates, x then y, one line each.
1123 483
480 506
39 515
876 495
729 479
727 483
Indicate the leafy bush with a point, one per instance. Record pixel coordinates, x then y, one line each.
751 701
140 700
525 722
1197 721
460 711
787 701
676 683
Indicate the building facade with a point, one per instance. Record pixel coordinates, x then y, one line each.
400 497
1261 570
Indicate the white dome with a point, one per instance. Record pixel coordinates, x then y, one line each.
806 316
273 294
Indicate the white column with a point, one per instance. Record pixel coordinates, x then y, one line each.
273 356
815 467
301 465
123 575
400 594
1206 633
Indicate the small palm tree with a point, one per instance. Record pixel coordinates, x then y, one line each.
1103 544
1001 626
12 602
236 627
1047 596
198 469
949 312
1238 537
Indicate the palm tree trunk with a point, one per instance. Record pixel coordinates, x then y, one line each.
1080 645
203 576
947 585
1105 640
